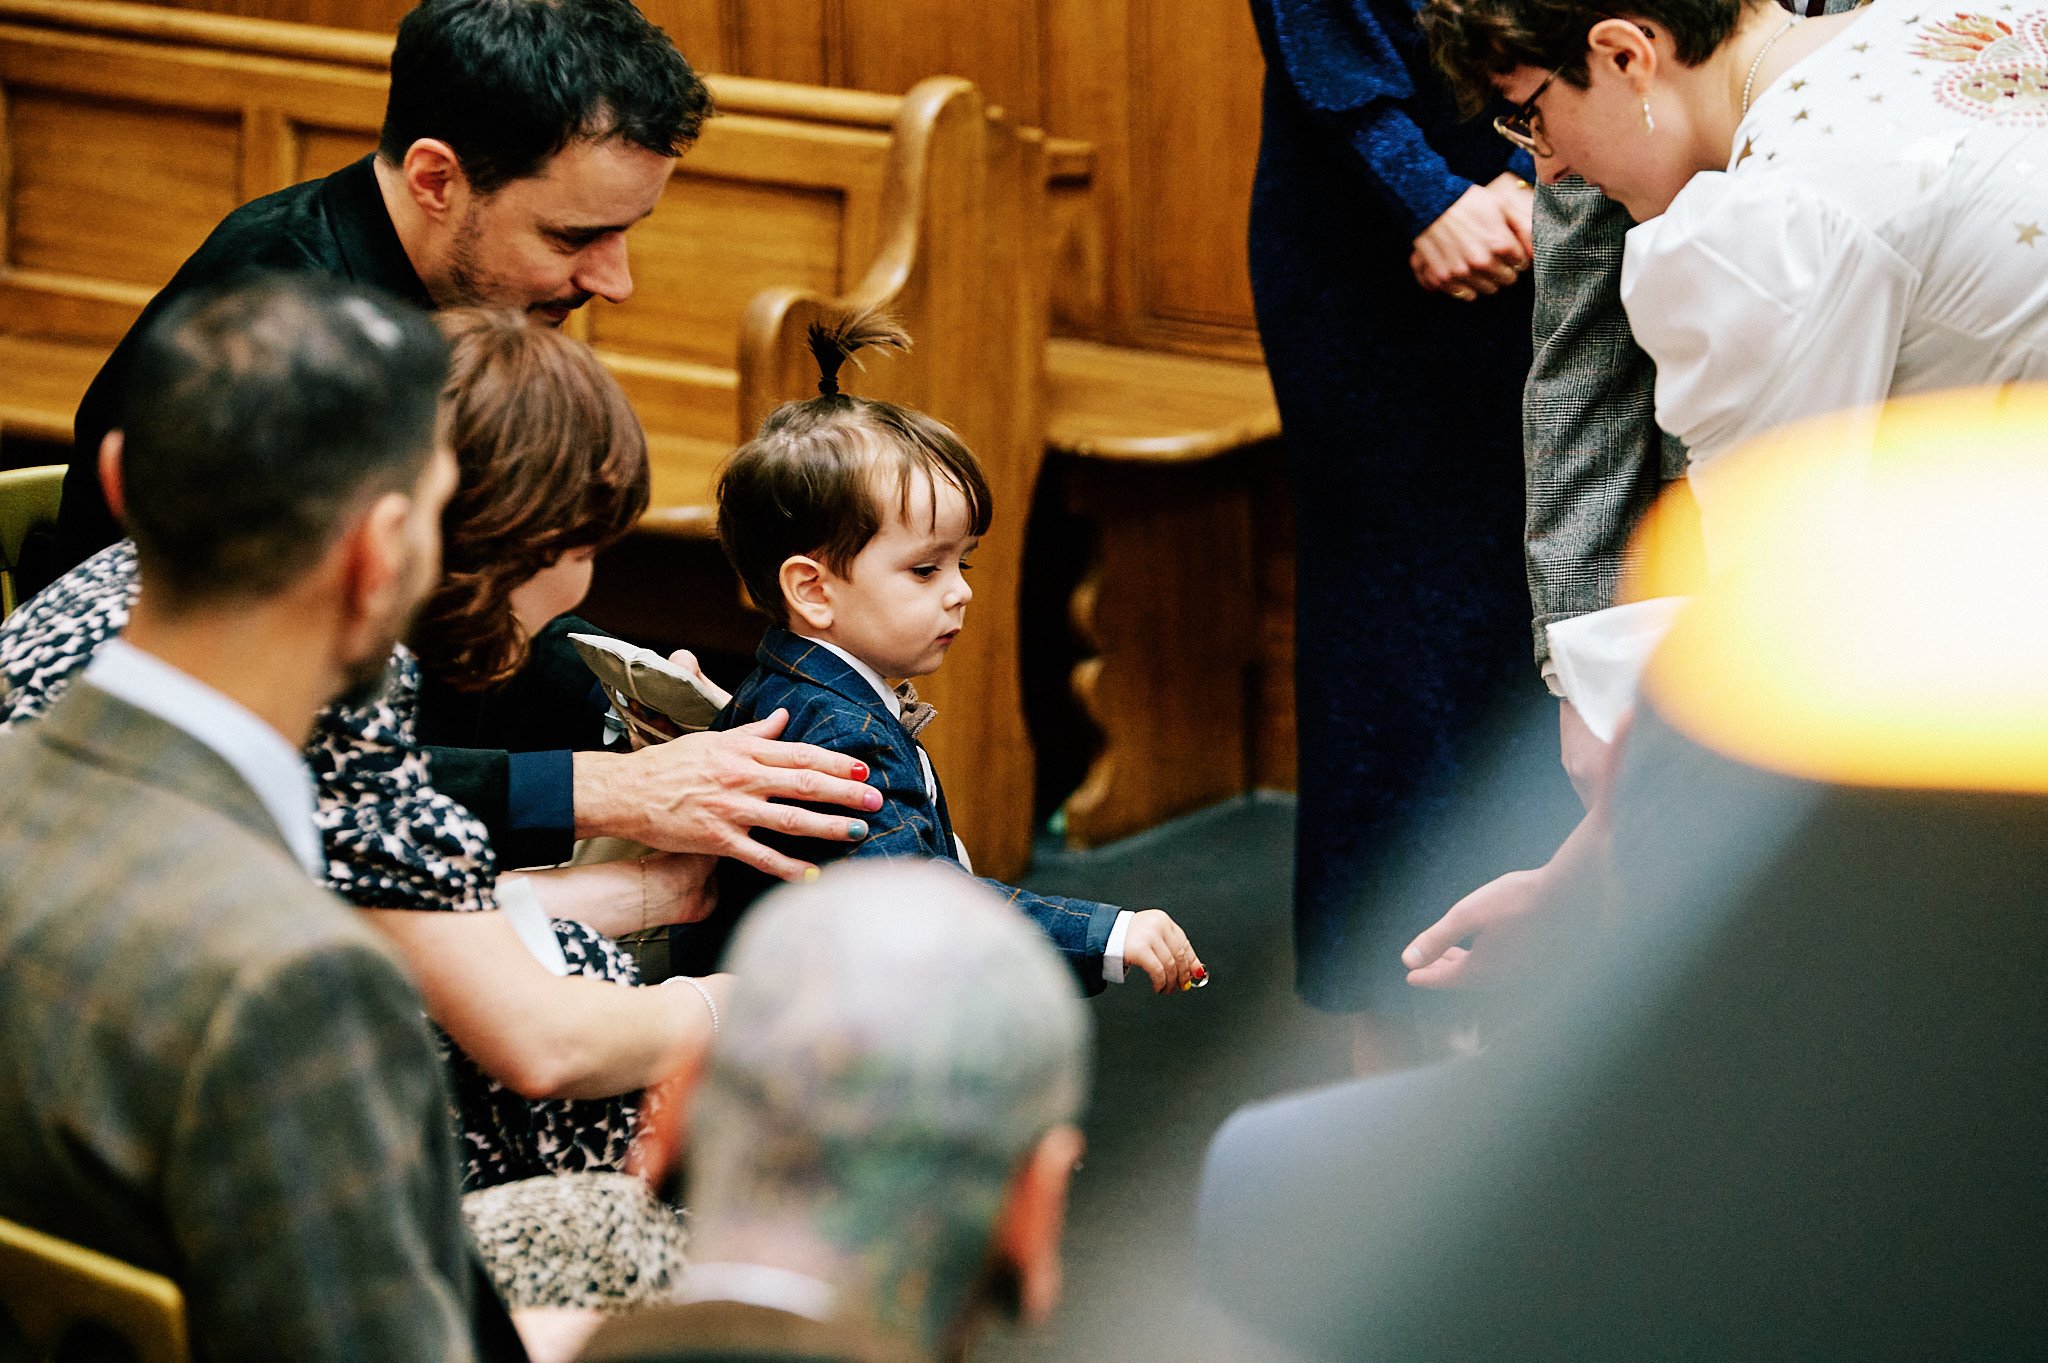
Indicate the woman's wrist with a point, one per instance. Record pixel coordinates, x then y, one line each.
697 986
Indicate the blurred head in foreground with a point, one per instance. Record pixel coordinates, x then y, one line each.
891 1110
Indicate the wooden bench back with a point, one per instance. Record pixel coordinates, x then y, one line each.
127 132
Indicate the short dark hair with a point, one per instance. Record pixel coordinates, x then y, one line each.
509 83
259 415
1474 41
804 485
551 458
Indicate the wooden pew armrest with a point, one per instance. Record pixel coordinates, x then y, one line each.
1109 402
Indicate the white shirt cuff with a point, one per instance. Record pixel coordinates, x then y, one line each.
1113 954
522 909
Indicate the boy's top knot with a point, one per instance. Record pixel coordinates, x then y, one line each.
836 340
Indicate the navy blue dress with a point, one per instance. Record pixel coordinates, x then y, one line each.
1401 413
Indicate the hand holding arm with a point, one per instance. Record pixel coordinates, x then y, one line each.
620 897
1481 243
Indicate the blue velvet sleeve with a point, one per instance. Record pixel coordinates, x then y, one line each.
1352 74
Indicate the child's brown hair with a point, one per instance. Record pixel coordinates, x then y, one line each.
805 485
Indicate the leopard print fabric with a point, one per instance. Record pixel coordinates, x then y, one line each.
392 842
595 1241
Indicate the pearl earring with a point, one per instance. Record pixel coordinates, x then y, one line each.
1649 123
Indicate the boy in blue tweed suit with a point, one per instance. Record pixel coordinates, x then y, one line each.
851 522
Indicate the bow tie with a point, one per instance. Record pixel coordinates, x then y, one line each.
916 713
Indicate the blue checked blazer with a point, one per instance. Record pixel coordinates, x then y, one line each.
833 706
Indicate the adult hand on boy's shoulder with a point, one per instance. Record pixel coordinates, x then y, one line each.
707 792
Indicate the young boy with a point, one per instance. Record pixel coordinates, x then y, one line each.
851 522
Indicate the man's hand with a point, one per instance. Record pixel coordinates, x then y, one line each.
1481 244
707 793
1586 759
1438 960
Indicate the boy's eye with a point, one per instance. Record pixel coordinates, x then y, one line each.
965 566
924 571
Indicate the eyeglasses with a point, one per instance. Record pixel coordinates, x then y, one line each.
1520 127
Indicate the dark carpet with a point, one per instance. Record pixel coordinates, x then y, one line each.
1170 1069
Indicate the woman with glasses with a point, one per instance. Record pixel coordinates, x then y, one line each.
1831 211
1389 246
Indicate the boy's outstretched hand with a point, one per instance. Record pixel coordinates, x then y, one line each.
1156 945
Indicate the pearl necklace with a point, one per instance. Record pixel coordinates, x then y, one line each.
1750 80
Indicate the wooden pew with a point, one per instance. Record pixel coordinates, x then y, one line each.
1188 602
127 132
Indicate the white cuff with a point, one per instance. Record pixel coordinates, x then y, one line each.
521 907
1600 657
1113 954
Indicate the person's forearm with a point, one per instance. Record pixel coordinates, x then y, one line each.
1593 453
610 896
541 1035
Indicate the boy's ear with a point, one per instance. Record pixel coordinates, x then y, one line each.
805 591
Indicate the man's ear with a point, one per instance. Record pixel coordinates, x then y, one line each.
433 177
372 565
806 591
1626 48
110 476
1033 1218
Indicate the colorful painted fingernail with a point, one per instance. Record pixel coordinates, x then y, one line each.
811 873
860 771
856 830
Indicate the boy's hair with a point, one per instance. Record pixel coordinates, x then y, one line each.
806 485
509 83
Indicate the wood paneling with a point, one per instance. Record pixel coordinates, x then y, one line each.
322 151
126 132
72 215
1150 238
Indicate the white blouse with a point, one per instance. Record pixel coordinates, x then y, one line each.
1881 229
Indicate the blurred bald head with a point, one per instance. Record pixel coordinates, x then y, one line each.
899 1045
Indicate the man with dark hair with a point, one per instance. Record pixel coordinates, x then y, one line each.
522 139
213 1068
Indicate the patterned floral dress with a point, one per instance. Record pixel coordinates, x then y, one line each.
392 842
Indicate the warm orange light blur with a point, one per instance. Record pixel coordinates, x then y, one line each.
1877 607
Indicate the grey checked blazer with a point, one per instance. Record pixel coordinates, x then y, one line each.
209 1066
1593 457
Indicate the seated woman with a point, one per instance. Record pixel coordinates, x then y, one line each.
547 1064
1832 211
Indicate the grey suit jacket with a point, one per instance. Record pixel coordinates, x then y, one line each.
1593 456
208 1065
